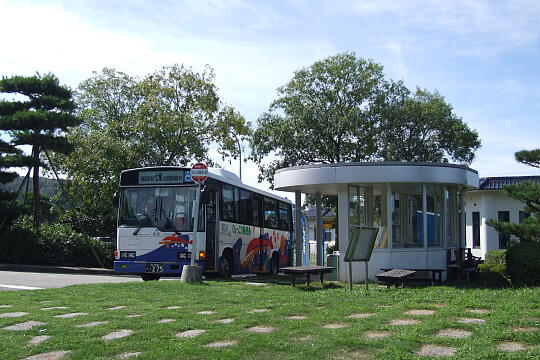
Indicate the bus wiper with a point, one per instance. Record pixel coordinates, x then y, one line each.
141 224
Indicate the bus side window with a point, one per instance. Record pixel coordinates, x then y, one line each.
256 210
227 203
284 216
270 213
245 215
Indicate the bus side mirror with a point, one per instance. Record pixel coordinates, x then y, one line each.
205 196
116 200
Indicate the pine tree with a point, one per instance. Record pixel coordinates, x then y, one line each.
529 194
39 120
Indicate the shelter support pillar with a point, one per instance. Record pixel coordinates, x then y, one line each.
318 234
298 227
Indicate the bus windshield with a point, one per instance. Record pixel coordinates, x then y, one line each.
166 208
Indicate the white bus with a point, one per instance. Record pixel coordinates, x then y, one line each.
241 229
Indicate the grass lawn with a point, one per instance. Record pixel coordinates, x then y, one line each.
262 328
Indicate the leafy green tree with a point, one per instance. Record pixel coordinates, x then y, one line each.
423 127
170 117
324 114
529 194
10 156
341 109
39 121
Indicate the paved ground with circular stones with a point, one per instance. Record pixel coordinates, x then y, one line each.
430 350
454 333
436 350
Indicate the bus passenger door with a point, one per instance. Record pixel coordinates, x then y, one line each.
211 231
258 236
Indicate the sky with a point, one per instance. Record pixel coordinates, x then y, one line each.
482 56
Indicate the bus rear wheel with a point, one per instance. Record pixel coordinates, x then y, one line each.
150 277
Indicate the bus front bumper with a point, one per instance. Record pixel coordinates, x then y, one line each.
132 267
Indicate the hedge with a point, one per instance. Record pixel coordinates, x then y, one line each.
495 261
523 264
51 244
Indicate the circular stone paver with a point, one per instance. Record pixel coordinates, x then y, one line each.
54 308
420 312
479 311
173 307
454 333
36 340
224 321
119 307
13 314
471 321
91 324
5 306
256 311
129 316
436 350
352 354
70 315
296 317
511 347
166 321
220 344
191 333
334 326
117 334
206 312
255 284
48 356
360 316
128 355
404 322
524 329
261 329
376 334
24 326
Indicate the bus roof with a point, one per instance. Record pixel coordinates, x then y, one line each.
219 174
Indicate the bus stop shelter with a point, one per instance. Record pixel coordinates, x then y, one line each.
418 207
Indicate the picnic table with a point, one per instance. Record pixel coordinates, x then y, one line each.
395 276
306 270
436 274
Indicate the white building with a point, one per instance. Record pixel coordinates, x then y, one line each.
418 208
490 202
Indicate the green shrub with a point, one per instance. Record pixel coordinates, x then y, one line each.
523 264
51 244
495 261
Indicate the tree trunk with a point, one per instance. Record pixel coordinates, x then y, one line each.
35 181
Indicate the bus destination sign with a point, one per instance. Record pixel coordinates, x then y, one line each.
161 177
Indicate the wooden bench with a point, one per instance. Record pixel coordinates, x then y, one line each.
436 275
395 276
463 264
306 270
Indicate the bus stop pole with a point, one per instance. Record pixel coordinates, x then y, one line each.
195 223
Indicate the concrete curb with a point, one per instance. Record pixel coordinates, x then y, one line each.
56 269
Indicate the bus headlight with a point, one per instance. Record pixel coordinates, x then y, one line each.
202 255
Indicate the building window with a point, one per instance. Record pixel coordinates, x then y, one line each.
503 216
523 215
476 229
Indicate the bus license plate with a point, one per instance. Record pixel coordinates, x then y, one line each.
154 268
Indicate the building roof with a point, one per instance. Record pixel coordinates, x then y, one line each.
497 182
330 179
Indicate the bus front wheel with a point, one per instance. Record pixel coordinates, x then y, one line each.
149 277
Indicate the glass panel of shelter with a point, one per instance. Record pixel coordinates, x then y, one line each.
367 207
